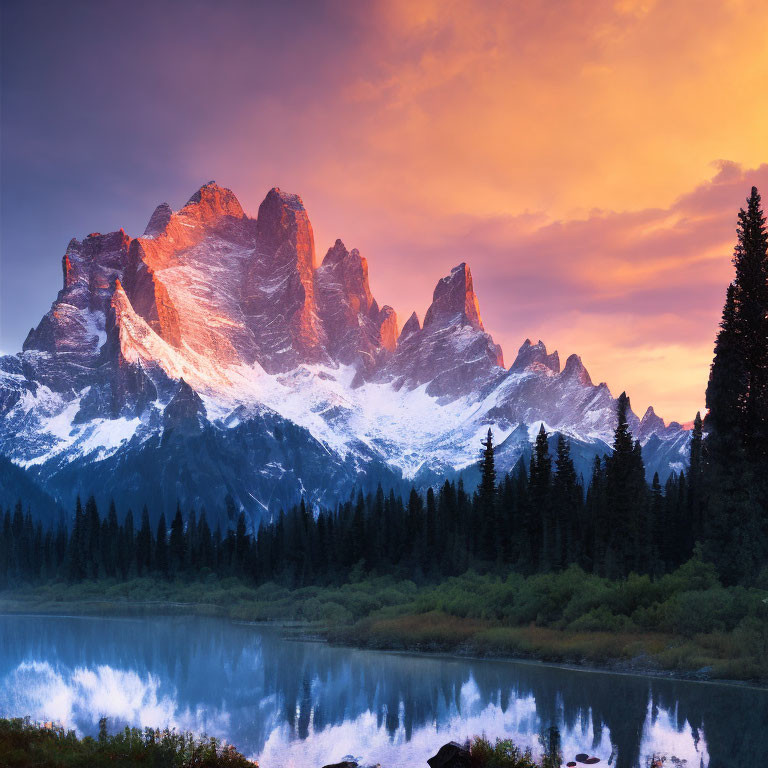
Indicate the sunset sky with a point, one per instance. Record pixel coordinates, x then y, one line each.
586 159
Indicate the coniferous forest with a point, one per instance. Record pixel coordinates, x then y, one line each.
539 518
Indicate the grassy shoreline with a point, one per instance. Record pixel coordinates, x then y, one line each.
652 655
388 615
522 644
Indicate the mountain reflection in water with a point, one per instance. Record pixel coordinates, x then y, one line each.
307 704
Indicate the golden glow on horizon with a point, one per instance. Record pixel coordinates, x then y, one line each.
580 142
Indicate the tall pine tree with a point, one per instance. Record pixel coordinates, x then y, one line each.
486 502
626 494
567 504
540 524
736 448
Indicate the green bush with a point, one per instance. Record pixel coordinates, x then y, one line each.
23 743
504 753
751 638
711 610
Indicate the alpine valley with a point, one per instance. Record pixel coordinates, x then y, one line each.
214 357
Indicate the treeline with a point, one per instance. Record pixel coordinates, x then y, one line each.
101 547
538 518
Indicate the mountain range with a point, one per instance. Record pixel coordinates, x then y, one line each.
214 357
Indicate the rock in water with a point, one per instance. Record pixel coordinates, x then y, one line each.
450 755
343 764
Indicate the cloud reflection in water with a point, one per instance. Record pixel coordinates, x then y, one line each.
306 704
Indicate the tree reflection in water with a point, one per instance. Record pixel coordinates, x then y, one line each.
303 703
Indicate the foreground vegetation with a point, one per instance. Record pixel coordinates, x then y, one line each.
684 621
23 743
504 753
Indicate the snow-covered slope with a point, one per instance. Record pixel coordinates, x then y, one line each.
174 364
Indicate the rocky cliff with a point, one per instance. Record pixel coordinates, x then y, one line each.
219 331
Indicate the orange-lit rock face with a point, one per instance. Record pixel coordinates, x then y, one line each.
150 297
454 295
207 290
231 290
68 269
212 203
574 368
357 331
209 281
185 275
279 293
388 328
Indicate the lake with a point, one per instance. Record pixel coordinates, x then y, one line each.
300 704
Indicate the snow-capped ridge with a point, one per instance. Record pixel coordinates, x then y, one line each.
218 327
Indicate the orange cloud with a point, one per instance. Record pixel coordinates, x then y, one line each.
563 149
638 294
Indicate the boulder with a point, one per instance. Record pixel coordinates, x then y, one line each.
450 755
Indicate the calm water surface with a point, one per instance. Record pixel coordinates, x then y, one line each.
305 704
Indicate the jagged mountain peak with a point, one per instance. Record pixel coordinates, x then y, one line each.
75 323
412 325
213 312
282 217
287 199
575 369
451 353
454 298
211 203
335 254
535 354
158 222
351 262
358 331
278 297
651 424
